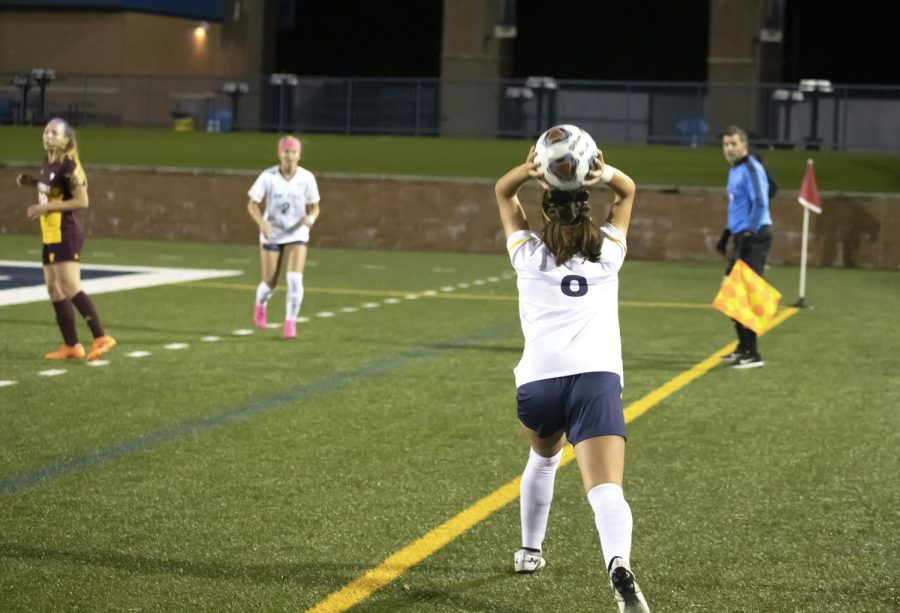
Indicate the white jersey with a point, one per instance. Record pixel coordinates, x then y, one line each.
569 313
285 203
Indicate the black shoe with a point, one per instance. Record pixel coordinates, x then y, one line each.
734 355
748 360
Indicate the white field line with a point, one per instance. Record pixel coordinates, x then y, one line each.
137 277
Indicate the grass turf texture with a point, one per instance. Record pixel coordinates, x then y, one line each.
445 157
764 490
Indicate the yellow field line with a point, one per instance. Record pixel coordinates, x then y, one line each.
444 295
364 586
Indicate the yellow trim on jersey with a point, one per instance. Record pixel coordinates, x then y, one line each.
617 241
512 247
51 228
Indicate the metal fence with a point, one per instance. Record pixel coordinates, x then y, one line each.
779 115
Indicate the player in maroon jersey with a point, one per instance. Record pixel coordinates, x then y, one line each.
62 190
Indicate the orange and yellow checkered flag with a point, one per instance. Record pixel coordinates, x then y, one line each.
746 297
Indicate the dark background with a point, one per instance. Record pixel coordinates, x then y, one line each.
855 42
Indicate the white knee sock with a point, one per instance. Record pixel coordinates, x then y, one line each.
536 494
263 294
613 518
294 295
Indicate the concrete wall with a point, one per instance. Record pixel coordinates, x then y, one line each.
737 55
861 230
473 61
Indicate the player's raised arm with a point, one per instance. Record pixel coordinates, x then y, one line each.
621 185
506 191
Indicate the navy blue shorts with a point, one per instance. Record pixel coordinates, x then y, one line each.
279 247
584 405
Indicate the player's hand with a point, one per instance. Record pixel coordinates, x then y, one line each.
308 221
593 175
266 229
26 180
35 211
722 245
533 168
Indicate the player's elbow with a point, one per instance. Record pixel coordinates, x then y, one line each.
501 192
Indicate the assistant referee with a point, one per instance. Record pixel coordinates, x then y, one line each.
749 228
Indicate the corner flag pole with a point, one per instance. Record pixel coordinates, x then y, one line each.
803 244
810 201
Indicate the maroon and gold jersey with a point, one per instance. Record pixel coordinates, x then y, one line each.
56 183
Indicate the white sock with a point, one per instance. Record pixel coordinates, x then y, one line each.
613 518
536 494
263 294
294 295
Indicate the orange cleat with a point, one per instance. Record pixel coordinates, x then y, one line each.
66 353
100 346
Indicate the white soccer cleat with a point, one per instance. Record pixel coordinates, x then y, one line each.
625 589
526 561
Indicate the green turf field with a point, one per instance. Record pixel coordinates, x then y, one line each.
446 157
253 473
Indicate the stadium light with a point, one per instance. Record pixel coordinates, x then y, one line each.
200 32
815 88
546 88
285 82
786 99
24 84
235 89
42 76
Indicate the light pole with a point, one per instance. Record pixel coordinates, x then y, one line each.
42 76
546 90
815 88
786 99
24 84
235 89
283 80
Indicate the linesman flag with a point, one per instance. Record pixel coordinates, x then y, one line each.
809 191
747 298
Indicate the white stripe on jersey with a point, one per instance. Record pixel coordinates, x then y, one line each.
569 313
285 202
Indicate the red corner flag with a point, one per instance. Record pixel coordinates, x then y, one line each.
809 192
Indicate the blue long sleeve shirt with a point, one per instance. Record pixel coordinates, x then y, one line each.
748 196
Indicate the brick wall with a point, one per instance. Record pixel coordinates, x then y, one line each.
855 230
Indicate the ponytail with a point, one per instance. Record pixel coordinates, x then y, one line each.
569 230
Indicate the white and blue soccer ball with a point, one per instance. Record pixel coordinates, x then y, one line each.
564 155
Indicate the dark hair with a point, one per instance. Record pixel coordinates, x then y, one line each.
735 131
568 229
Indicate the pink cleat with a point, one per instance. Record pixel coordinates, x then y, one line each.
290 329
259 315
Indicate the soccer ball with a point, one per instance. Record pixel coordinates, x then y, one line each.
564 155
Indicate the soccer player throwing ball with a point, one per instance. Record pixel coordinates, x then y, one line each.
569 379
291 199
62 190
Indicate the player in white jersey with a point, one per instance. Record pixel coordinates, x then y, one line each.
569 379
291 199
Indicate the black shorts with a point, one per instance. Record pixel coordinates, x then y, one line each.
67 250
584 405
753 248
